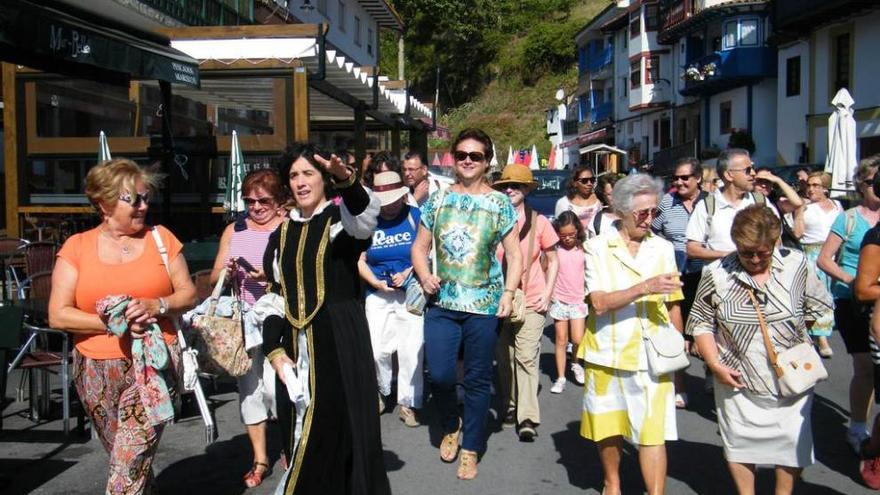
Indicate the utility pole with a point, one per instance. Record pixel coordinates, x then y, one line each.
401 62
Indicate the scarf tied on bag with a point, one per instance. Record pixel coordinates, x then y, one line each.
149 356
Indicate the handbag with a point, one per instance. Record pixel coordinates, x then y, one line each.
797 369
220 340
518 306
665 351
416 299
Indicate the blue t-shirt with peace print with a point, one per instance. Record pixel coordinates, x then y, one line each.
392 242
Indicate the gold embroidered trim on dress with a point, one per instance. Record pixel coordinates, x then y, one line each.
307 422
301 321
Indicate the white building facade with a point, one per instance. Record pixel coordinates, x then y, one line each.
825 46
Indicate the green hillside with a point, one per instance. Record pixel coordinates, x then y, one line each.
501 61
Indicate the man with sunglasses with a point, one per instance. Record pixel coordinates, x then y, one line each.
671 223
708 230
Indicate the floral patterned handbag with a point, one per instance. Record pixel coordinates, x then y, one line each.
220 340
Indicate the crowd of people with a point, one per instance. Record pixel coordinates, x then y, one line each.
348 266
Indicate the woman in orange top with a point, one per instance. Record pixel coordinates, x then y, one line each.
119 257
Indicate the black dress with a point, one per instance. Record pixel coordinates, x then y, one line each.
340 447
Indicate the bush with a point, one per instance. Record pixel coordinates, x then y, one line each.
549 47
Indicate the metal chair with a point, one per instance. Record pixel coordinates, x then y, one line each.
11 319
12 262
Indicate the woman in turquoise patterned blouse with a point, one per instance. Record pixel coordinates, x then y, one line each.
465 223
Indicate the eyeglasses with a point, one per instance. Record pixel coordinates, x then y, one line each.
249 202
139 198
568 236
748 170
682 178
763 255
644 213
475 156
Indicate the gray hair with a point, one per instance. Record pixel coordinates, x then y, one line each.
725 157
631 186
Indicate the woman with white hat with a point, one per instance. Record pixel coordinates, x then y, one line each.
387 269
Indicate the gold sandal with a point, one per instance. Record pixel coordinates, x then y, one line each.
467 465
449 445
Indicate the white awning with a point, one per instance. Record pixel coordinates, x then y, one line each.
601 148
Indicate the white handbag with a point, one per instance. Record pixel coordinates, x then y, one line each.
665 350
798 368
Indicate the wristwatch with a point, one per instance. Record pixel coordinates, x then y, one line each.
163 307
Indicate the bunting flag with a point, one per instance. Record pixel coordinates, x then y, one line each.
447 160
436 161
534 160
551 162
493 164
510 157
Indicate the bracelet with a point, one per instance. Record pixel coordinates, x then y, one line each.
509 290
347 182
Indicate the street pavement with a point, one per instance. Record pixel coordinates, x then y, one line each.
37 458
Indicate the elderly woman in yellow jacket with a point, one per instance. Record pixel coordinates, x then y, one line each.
634 291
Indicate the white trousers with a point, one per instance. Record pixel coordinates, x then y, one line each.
394 329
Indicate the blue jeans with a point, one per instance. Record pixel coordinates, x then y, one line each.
445 330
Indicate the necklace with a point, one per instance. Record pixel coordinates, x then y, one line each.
124 247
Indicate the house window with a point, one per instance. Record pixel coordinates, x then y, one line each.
656 134
635 74
342 19
725 117
623 88
681 131
652 17
635 23
841 61
729 36
357 30
369 41
748 32
793 76
665 134
652 69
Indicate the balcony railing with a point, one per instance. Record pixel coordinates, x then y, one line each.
601 59
206 12
602 112
728 69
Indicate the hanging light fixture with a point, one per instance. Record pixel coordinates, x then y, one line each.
307 5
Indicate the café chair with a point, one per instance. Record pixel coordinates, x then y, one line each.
11 319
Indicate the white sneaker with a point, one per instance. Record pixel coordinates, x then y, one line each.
855 438
578 371
558 386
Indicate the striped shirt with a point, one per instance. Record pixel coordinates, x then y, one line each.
671 223
250 245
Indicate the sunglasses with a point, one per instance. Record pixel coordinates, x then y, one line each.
747 170
263 201
642 214
763 255
682 178
586 180
475 156
137 200
513 186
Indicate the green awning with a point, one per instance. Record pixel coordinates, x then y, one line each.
63 42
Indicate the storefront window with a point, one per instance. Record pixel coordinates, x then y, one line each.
77 108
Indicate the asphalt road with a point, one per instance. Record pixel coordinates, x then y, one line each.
38 459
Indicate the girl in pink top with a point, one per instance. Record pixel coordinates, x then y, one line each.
568 308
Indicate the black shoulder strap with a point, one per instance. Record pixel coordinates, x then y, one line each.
597 220
527 225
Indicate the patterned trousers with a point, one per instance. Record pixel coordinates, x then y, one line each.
109 394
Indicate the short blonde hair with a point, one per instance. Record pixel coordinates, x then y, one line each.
709 174
824 177
107 180
756 225
866 165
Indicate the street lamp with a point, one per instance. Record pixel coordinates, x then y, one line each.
307 5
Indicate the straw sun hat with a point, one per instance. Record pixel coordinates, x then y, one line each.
516 174
388 187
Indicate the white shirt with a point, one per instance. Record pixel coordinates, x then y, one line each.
817 222
717 236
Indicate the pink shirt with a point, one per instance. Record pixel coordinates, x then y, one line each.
569 288
545 238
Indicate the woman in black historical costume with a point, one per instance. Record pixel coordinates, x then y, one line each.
315 332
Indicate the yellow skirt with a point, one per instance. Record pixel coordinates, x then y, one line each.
632 404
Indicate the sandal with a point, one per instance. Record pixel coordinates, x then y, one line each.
449 445
254 478
467 465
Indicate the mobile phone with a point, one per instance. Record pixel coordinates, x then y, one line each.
245 264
